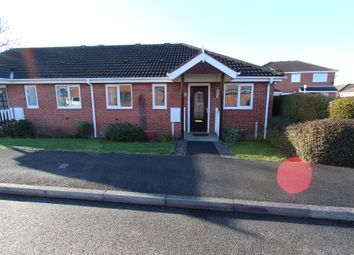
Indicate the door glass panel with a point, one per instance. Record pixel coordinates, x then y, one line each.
199 105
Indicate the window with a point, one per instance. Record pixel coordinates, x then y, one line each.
296 77
68 96
119 96
319 77
159 96
238 96
3 99
31 97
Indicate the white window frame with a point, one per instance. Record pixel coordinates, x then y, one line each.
297 75
315 79
68 86
154 106
239 86
117 86
35 91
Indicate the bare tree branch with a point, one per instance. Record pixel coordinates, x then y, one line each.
5 42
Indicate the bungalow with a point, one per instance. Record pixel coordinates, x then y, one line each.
174 88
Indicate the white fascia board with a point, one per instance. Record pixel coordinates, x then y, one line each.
203 57
329 71
258 79
84 80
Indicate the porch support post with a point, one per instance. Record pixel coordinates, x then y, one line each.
221 106
182 106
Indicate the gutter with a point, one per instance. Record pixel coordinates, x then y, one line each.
267 110
88 82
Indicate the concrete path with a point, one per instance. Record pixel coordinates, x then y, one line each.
174 175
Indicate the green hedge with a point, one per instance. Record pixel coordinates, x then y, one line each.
22 128
303 107
328 141
83 129
342 108
276 134
124 132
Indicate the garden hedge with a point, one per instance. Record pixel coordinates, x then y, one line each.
83 129
303 107
328 141
342 108
276 134
124 132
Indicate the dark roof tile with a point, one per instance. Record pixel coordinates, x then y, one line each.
119 61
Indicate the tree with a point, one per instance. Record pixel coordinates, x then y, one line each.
5 42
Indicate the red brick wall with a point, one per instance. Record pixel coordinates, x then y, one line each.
52 121
286 86
246 119
48 119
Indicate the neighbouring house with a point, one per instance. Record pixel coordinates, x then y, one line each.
346 90
304 78
143 84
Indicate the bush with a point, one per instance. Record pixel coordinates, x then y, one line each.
342 108
329 141
276 134
22 128
304 107
232 135
164 137
83 129
124 132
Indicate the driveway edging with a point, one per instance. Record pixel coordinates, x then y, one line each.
188 202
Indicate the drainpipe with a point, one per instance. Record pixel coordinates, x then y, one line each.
267 110
88 82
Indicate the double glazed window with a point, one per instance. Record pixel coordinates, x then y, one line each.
31 97
68 96
119 96
238 96
319 77
159 96
296 77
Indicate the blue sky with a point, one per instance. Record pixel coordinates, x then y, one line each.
320 32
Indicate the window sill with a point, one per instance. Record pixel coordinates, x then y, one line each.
69 108
238 108
119 108
159 108
32 107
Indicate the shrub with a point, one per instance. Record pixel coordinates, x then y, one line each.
329 141
342 108
232 134
83 129
304 107
124 132
164 137
22 128
276 134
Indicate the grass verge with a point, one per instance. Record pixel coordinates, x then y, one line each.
256 150
89 145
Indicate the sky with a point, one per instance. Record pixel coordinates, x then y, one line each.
258 31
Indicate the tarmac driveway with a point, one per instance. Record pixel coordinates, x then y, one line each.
195 176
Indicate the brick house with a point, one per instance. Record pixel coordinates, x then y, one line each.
304 78
143 84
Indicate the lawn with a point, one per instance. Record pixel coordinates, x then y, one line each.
256 150
90 145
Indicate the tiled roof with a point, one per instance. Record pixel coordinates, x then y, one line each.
319 88
155 60
345 88
295 66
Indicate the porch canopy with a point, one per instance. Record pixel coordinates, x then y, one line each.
202 67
